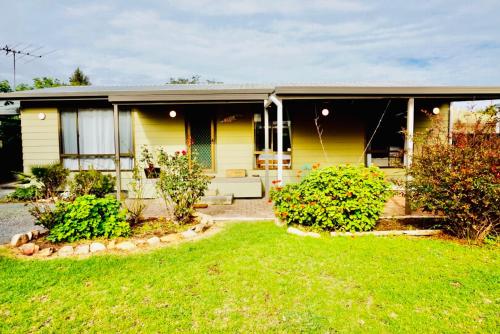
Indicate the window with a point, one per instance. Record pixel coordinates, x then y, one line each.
259 134
88 139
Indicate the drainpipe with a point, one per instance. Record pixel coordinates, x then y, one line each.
279 104
117 151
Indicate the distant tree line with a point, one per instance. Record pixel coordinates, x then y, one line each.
78 78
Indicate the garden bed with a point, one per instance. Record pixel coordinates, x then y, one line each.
152 233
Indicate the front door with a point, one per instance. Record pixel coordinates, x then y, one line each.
201 139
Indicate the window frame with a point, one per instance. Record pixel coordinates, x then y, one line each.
257 152
79 156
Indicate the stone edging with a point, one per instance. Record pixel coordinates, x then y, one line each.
25 246
296 231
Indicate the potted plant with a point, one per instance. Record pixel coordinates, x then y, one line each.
150 170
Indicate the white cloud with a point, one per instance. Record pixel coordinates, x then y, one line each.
368 42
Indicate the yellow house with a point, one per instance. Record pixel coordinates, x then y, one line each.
261 132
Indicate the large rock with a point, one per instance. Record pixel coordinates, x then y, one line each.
19 239
126 246
112 244
170 237
97 247
29 249
65 251
153 241
140 242
201 227
45 252
296 231
189 234
82 250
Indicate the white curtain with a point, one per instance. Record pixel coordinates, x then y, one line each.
69 138
96 137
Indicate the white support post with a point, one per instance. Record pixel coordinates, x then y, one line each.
279 121
266 147
410 124
116 119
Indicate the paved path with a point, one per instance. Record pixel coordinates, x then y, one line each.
14 218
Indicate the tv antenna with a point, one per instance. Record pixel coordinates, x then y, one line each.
17 50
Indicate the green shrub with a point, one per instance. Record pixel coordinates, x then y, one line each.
51 177
30 193
460 180
86 217
92 182
344 198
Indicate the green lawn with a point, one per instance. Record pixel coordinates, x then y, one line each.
257 278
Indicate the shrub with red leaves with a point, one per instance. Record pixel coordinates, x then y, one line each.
460 180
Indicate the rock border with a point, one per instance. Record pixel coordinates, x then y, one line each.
25 245
416 233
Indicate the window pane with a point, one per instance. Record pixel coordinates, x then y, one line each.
98 163
71 164
125 132
126 163
96 131
69 135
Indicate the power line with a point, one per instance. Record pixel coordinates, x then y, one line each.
14 51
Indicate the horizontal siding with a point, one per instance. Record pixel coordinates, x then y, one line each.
40 138
234 140
343 139
156 129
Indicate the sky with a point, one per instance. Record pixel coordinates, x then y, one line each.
358 42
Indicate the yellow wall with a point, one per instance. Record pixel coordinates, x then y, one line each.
40 138
343 136
156 129
234 145
343 139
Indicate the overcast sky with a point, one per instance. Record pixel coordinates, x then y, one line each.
425 42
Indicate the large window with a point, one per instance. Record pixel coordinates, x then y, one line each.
259 135
88 139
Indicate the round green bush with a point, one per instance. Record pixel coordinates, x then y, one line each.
86 217
344 198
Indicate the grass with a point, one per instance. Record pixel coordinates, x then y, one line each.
257 278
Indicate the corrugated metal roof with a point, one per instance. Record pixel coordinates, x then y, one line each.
244 92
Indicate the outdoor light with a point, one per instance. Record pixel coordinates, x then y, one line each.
41 116
325 112
172 113
436 111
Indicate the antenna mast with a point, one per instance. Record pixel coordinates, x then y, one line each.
10 50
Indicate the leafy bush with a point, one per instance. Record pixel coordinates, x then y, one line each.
181 184
86 217
462 180
92 182
344 198
29 193
52 178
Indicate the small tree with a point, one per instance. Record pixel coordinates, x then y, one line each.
181 184
460 180
135 206
51 177
78 78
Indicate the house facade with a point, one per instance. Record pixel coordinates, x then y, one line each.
265 132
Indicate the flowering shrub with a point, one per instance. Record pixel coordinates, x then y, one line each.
345 198
462 180
181 184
